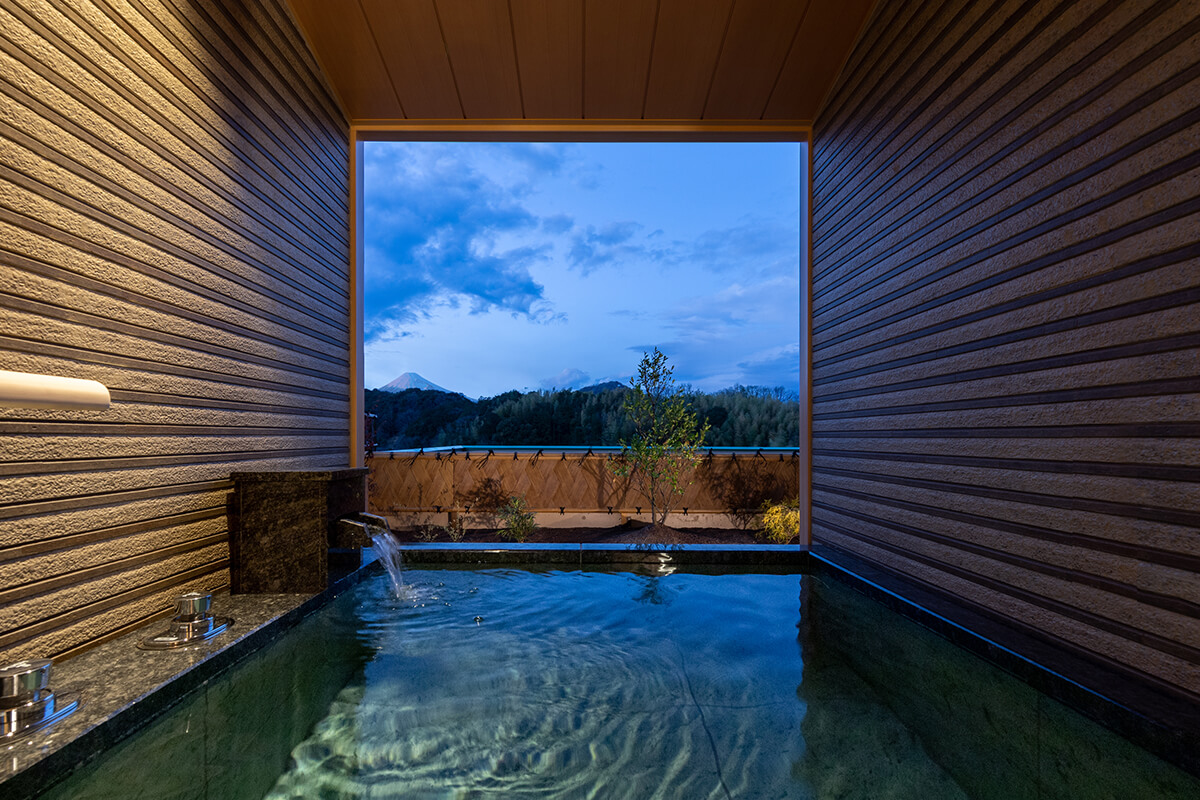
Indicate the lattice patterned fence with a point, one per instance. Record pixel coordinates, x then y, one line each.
727 487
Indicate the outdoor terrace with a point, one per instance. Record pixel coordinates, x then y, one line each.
573 486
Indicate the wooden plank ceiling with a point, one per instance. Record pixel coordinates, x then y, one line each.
398 61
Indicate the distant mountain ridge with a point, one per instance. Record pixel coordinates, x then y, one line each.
411 380
607 386
743 417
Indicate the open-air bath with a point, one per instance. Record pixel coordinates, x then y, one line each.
506 681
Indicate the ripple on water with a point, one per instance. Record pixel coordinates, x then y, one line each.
571 685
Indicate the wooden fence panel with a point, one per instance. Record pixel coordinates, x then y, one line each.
733 485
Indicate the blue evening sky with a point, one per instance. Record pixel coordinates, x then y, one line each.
497 266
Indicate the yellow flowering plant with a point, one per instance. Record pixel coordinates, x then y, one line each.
781 521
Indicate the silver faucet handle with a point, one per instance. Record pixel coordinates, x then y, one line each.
192 605
23 681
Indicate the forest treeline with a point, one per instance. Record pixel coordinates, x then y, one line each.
744 416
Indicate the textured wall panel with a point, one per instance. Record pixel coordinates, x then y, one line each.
173 223
1007 317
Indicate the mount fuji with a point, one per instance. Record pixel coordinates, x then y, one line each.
411 380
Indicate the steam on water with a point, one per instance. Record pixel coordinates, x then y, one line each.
389 553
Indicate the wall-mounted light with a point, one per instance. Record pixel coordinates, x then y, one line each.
27 390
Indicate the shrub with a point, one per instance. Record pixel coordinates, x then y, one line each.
455 528
781 521
427 531
518 520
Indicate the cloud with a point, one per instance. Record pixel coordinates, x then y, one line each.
537 157
597 247
755 242
756 246
746 332
774 301
773 365
723 361
569 378
557 223
435 218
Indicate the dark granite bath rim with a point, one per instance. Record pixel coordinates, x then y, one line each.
122 688
590 554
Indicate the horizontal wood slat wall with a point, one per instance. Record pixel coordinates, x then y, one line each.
572 483
1006 317
174 223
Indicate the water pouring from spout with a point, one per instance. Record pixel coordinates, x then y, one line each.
355 530
386 547
389 553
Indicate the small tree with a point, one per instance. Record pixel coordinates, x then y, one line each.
519 521
667 437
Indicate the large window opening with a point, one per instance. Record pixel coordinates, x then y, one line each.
508 279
